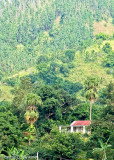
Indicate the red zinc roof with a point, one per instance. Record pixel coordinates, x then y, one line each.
80 123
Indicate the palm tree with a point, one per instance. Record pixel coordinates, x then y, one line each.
33 99
31 114
91 85
103 149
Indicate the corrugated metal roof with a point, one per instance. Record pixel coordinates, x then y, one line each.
80 123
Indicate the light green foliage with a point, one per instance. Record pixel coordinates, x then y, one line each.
48 48
61 145
31 116
28 30
20 92
91 85
14 152
32 99
102 36
103 128
103 149
30 134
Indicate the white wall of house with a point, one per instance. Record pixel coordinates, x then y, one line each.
84 130
73 129
60 128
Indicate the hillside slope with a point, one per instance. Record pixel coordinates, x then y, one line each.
31 28
92 67
88 62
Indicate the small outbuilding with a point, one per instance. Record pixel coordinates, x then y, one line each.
76 126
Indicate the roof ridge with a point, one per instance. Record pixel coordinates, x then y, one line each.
80 122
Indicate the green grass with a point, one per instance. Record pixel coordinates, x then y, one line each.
6 90
5 93
82 70
95 68
79 73
22 73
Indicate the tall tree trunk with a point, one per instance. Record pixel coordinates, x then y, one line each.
104 157
29 142
90 110
38 2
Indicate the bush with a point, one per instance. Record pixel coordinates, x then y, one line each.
71 65
70 54
64 70
109 61
107 48
110 71
102 36
11 82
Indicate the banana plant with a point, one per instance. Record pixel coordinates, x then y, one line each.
30 134
13 153
103 149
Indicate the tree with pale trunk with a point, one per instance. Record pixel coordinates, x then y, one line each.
31 115
91 86
31 100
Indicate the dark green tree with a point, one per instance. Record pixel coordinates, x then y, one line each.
10 133
107 48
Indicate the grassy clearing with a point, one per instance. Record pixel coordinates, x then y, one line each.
104 27
22 73
5 92
82 69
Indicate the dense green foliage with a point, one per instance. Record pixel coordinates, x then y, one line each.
10 133
30 28
57 71
54 106
61 145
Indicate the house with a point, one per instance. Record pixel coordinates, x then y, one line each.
76 126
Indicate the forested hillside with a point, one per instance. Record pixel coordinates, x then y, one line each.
37 27
56 67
